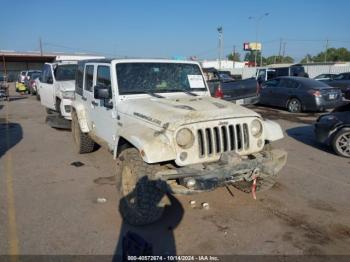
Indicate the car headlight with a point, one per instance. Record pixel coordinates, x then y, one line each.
256 128
68 94
185 138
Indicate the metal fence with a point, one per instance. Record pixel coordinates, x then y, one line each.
312 70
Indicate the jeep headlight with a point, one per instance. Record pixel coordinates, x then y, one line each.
256 128
68 94
185 138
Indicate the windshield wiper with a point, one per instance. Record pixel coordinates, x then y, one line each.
189 93
154 94
179 90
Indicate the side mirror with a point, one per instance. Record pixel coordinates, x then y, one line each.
102 92
49 80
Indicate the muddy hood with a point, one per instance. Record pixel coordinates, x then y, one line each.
174 112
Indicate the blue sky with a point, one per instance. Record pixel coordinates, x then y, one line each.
151 28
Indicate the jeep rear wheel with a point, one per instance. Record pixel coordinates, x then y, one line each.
142 200
84 144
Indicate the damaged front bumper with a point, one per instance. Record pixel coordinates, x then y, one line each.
229 169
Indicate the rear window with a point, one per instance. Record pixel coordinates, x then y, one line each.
309 83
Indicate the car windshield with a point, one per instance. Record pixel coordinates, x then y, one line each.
139 78
35 75
65 72
32 73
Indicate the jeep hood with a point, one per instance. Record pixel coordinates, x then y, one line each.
66 85
177 111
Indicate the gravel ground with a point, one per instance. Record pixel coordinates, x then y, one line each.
48 206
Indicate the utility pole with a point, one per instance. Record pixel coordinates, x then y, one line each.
284 50
325 52
41 46
279 51
233 53
220 46
257 21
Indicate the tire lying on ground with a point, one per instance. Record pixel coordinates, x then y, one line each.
84 144
142 202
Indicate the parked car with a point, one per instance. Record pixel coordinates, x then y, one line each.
32 83
267 73
56 87
21 77
341 80
29 77
222 85
325 77
299 94
347 93
37 84
168 134
334 130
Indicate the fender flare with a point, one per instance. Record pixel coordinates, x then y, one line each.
81 115
147 143
273 130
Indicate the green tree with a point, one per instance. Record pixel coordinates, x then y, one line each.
307 59
234 57
331 55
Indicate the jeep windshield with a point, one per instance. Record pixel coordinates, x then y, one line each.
148 78
65 72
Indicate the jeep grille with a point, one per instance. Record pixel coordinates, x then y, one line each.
219 139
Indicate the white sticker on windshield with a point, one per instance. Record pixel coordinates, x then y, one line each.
196 81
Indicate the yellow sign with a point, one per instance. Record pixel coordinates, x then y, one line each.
255 46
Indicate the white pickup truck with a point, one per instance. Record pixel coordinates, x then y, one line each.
57 85
168 134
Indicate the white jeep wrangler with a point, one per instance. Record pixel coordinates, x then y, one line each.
56 87
167 134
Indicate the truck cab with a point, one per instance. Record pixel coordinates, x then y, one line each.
268 73
56 86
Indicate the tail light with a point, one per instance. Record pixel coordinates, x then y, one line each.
218 92
315 93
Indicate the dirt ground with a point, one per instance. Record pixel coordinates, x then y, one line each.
49 206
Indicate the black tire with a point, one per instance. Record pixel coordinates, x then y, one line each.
261 184
58 106
49 111
142 199
37 96
84 144
294 105
341 143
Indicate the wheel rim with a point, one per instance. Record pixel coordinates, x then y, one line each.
294 106
343 144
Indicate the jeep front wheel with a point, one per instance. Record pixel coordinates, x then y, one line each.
83 142
142 200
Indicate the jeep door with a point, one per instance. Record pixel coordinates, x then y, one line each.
88 95
47 92
100 111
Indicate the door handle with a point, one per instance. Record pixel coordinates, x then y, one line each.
94 103
83 98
